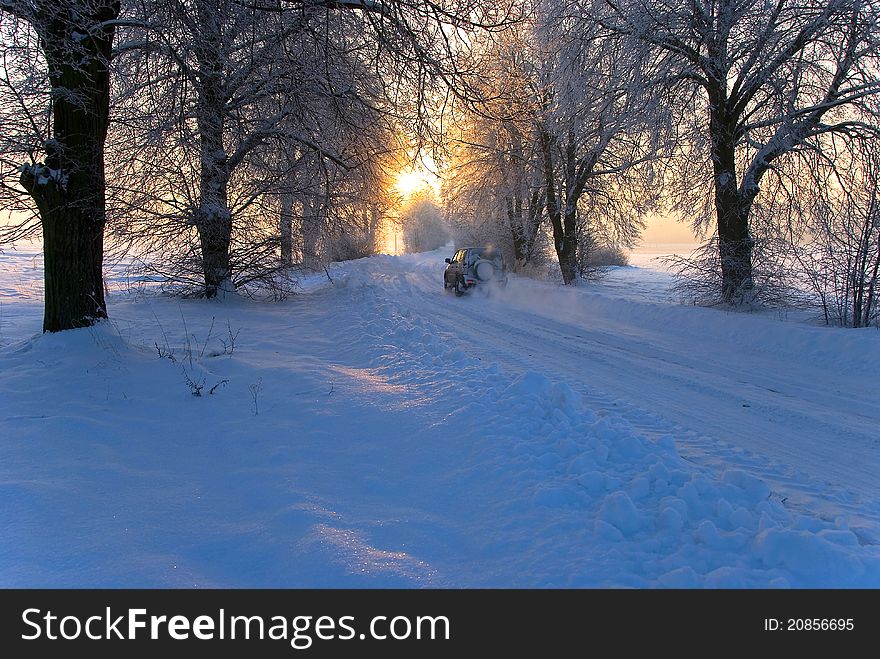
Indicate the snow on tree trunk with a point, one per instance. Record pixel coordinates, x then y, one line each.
214 219
732 207
69 186
735 250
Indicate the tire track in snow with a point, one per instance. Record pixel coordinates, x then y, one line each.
762 411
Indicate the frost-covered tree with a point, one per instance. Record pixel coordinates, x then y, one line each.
213 65
758 82
424 227
240 77
835 230
493 189
226 172
336 210
567 128
600 129
219 79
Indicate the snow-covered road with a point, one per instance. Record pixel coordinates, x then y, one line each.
378 431
798 403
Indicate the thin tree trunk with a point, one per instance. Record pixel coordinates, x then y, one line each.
870 296
311 231
534 215
568 254
564 237
286 228
374 219
568 258
517 229
860 272
516 201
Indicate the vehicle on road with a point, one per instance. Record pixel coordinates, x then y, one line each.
474 266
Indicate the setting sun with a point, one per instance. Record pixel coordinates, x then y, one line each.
410 182
420 177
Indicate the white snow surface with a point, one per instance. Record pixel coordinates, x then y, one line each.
377 431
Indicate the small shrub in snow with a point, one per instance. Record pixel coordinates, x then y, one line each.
608 255
190 364
195 386
256 389
229 342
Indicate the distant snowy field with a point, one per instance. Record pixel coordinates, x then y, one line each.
377 431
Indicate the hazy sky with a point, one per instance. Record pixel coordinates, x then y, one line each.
660 229
663 229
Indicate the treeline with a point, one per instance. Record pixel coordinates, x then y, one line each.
221 143
218 142
757 122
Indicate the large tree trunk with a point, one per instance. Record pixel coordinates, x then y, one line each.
564 239
69 187
732 208
214 220
215 232
735 248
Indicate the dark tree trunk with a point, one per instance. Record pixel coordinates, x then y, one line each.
564 234
214 218
520 248
564 239
286 229
735 249
215 234
567 251
69 186
732 208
